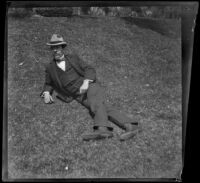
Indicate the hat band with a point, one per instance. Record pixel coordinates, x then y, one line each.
55 42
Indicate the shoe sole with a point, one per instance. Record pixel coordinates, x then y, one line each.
128 135
96 136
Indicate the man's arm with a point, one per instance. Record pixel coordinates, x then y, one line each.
47 89
89 71
47 84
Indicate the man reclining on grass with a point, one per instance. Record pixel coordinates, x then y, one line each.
73 79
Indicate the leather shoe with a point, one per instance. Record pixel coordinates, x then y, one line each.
131 130
100 133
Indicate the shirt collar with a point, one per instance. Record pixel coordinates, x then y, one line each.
63 59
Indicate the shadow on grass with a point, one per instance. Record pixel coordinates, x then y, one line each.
162 26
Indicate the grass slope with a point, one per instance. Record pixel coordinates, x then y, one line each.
141 71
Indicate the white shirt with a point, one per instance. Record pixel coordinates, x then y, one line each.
61 65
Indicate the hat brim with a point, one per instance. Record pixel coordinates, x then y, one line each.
56 44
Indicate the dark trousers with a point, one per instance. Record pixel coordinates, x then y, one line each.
95 101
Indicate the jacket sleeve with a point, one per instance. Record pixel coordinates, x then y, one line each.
48 83
89 71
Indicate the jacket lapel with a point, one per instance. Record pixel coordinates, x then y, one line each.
56 79
74 64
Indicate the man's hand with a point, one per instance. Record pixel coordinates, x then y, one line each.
47 98
84 87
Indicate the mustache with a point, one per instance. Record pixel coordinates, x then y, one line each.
58 56
58 53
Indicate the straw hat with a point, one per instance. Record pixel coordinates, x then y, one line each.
56 40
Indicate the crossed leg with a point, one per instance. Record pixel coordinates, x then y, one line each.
95 101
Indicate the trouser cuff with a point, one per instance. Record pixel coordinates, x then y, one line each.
109 127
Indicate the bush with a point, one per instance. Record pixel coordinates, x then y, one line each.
55 12
20 12
144 11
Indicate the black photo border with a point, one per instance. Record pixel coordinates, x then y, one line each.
189 38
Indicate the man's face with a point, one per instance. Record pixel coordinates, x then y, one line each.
57 52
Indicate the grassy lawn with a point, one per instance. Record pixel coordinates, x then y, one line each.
141 71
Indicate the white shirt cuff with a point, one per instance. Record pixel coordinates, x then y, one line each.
44 93
88 80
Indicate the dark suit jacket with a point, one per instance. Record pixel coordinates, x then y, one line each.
52 81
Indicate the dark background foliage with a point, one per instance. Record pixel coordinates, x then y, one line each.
170 12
